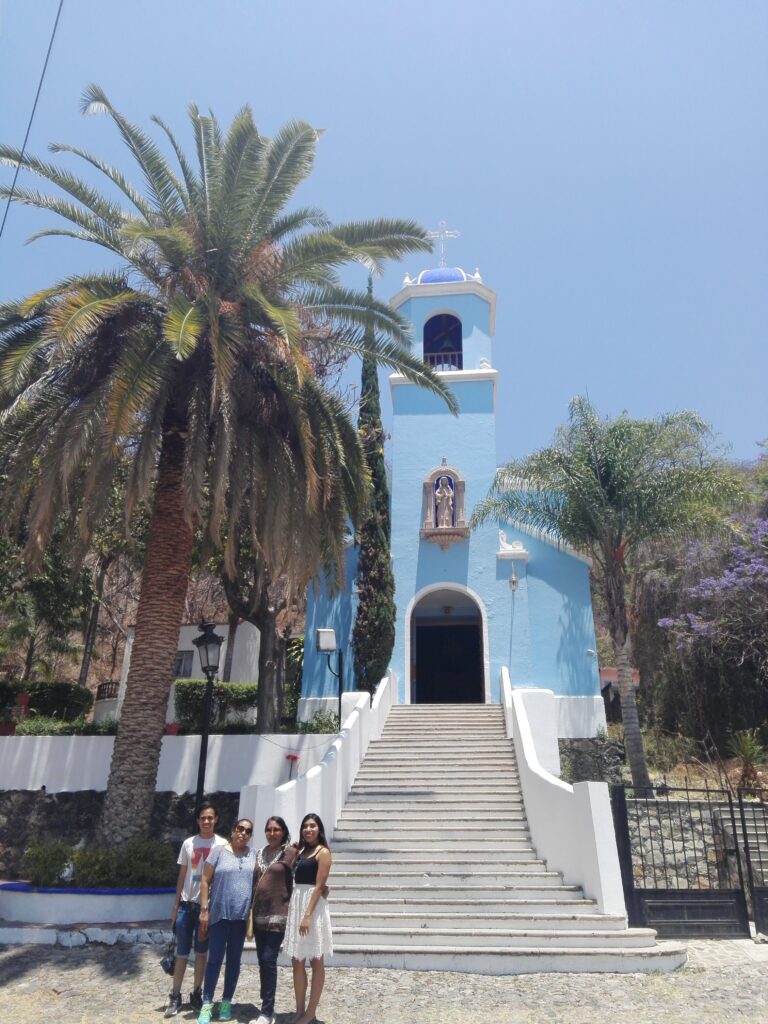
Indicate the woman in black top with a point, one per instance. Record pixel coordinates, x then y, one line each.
308 931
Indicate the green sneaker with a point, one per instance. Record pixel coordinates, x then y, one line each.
225 1010
205 1014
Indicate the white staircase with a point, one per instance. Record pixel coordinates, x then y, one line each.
433 866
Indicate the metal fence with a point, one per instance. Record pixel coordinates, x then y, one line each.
754 826
680 863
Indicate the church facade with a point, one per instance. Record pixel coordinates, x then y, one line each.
469 601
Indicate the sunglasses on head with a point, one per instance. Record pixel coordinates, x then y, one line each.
243 828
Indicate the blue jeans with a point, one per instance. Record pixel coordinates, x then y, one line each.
229 937
268 946
187 923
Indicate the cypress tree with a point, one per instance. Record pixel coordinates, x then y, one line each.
373 636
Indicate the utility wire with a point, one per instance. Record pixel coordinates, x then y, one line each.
31 117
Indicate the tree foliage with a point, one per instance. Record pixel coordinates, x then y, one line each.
609 487
373 636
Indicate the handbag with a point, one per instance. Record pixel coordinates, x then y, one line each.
168 961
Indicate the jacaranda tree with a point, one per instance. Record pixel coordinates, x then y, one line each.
608 487
191 355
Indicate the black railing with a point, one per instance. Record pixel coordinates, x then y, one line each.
444 360
754 825
680 864
108 690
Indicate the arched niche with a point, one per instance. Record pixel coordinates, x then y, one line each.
443 514
443 342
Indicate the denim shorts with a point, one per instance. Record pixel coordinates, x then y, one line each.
187 920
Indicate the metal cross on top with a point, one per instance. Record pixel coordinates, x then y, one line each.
442 233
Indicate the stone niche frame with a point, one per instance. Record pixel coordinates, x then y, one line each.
443 535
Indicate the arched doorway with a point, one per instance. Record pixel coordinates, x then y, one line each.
447 664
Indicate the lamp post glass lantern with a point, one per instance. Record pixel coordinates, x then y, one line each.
325 642
208 645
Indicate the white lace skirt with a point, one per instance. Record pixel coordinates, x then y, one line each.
319 941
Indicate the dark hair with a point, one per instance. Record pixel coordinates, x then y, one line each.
240 821
207 806
279 821
321 840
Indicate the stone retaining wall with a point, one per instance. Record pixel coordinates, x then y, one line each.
590 760
26 816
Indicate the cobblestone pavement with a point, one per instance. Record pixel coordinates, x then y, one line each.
724 981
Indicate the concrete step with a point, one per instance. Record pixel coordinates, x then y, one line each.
387 818
444 801
666 956
515 860
567 908
368 847
389 758
533 875
473 938
355 889
433 788
362 830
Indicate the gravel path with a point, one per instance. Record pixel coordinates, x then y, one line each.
725 981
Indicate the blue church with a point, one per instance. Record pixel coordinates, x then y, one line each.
469 602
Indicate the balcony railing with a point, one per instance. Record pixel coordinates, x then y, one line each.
444 360
108 690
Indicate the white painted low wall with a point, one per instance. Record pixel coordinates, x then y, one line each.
308 707
324 788
49 906
571 826
68 764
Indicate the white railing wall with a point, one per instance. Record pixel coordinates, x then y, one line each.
324 788
571 826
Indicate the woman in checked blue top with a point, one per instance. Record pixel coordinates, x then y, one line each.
225 902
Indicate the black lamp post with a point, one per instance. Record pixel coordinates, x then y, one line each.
208 645
326 644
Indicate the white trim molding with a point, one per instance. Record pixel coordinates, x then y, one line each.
451 377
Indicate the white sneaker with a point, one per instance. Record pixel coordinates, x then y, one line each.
262 1019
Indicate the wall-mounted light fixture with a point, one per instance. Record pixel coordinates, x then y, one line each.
514 582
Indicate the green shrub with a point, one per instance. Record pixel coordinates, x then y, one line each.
147 864
65 701
8 693
663 752
189 696
45 863
140 864
44 725
323 721
95 869
107 727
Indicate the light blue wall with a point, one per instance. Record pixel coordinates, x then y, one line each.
330 612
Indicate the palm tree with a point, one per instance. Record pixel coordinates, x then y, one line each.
191 356
608 487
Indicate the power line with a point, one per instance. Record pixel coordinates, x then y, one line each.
31 117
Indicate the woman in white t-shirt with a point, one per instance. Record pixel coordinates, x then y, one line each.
185 916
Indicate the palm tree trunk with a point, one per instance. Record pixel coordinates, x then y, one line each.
136 754
93 620
615 583
633 739
271 670
233 620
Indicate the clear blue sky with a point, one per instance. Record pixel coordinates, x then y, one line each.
606 163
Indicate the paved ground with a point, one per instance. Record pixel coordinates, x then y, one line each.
725 981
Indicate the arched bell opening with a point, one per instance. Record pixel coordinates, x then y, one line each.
442 342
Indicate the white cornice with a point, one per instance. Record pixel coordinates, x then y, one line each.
444 288
550 539
450 377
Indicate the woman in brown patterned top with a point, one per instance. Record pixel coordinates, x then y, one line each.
273 883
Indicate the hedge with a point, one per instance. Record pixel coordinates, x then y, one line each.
65 701
227 697
140 864
45 725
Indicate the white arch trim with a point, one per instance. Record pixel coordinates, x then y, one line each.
459 589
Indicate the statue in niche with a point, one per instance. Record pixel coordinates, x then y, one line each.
444 503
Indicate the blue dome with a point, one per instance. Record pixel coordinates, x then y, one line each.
441 275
